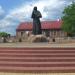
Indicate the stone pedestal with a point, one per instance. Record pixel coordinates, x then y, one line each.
37 38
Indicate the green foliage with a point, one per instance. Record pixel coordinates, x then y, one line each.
69 19
4 34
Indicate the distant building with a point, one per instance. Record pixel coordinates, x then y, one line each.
51 29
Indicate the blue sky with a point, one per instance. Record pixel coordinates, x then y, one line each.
13 12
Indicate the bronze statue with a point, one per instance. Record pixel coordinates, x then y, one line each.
36 15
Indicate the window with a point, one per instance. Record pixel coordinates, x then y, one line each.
21 33
47 33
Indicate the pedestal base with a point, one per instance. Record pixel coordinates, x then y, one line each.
37 38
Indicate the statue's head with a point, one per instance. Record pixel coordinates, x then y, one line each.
35 8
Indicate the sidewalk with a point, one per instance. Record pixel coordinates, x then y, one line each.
37 73
36 45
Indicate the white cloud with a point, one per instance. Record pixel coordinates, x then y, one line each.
50 9
1 11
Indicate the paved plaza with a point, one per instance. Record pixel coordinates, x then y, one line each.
37 74
31 45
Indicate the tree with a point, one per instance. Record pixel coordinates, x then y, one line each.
69 19
4 34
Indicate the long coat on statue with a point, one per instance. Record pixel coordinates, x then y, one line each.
36 15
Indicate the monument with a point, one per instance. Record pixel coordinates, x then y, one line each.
37 35
36 15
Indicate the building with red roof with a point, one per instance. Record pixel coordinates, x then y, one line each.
49 28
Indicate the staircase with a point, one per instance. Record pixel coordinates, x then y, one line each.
37 60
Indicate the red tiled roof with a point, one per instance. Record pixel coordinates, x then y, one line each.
44 25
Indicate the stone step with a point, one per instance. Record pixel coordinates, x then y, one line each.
37 54
36 63
37 48
37 60
37 51
38 69
33 58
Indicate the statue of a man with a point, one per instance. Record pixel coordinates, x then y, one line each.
36 15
